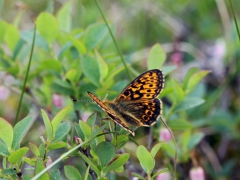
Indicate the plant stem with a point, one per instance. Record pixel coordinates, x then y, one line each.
25 81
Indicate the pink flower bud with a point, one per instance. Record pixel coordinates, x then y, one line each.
85 115
4 93
78 140
164 176
165 135
49 161
219 50
176 58
57 100
197 174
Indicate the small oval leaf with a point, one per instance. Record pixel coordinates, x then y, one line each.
156 57
17 155
59 117
179 125
19 131
72 173
6 132
90 69
118 161
62 131
47 26
188 103
105 152
146 159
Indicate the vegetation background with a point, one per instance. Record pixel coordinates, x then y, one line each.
74 53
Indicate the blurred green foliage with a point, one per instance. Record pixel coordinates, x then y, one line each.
74 53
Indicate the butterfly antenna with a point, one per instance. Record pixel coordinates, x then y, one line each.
176 152
87 101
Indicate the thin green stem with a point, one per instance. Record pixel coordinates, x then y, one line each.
114 40
25 81
176 152
235 19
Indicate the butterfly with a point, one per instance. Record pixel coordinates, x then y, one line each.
137 104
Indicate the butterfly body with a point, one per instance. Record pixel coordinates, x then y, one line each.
137 104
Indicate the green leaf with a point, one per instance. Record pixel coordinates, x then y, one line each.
39 167
17 155
120 141
12 37
88 161
47 124
6 132
92 119
59 117
34 149
90 69
19 131
54 174
8 171
3 149
50 64
195 79
94 34
188 103
185 140
73 75
47 26
57 145
86 129
169 148
3 29
98 139
119 169
98 130
30 161
194 140
64 17
105 152
39 41
72 173
137 175
77 44
79 132
62 131
179 125
42 150
156 148
168 69
160 172
62 87
156 57
103 67
178 91
146 159
166 91
190 72
117 162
